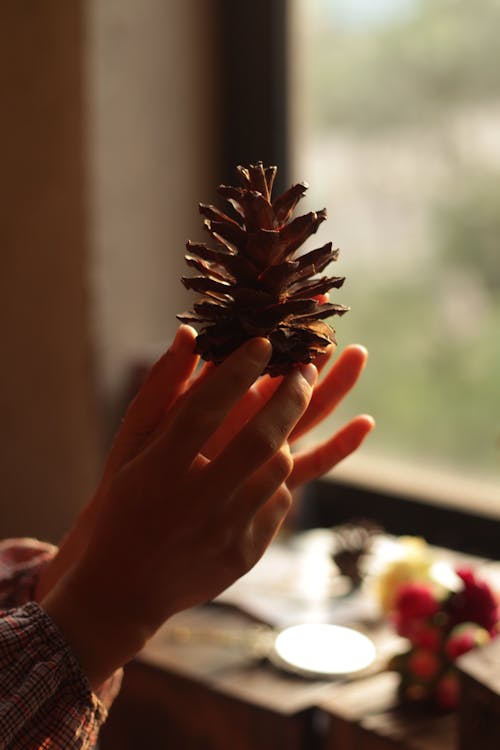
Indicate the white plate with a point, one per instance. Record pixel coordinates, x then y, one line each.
322 650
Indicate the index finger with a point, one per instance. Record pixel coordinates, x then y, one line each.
203 408
253 400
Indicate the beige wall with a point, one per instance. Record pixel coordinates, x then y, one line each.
92 225
151 93
47 415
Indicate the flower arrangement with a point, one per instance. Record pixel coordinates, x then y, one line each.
440 625
410 560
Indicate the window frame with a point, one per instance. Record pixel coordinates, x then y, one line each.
252 43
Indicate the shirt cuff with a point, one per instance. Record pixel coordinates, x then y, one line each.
46 699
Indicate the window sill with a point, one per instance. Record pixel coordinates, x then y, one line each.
431 486
462 516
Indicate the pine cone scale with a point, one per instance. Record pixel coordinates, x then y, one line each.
294 234
285 204
317 260
315 287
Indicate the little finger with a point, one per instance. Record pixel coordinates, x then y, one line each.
317 461
337 383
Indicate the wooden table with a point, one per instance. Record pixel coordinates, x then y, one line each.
210 696
194 696
194 688
366 715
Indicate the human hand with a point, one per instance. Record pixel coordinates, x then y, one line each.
167 380
316 459
174 528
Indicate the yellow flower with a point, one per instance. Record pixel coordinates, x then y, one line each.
412 562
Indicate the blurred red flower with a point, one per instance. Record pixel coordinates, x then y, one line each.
441 628
414 602
475 602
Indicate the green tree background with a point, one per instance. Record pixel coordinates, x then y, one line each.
433 381
408 72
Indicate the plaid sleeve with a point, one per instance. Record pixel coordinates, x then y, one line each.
21 562
45 699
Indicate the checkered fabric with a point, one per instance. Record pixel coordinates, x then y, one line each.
45 698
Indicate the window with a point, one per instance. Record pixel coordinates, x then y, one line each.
396 127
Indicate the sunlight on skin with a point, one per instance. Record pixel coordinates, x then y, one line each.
161 396
328 393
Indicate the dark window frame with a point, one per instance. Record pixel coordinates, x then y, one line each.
252 72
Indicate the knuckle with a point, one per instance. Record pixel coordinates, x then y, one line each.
283 463
283 500
264 443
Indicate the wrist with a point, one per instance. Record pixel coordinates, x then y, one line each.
101 639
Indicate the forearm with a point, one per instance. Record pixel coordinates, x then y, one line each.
102 637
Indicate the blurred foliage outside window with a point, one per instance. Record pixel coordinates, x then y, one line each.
397 106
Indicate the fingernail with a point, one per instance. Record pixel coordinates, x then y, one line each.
259 349
309 373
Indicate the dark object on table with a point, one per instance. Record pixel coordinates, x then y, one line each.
352 541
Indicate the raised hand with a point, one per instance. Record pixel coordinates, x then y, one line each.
313 460
174 528
169 379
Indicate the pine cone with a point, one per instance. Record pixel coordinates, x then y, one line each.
253 283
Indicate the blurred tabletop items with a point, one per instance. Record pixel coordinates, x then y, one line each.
311 650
